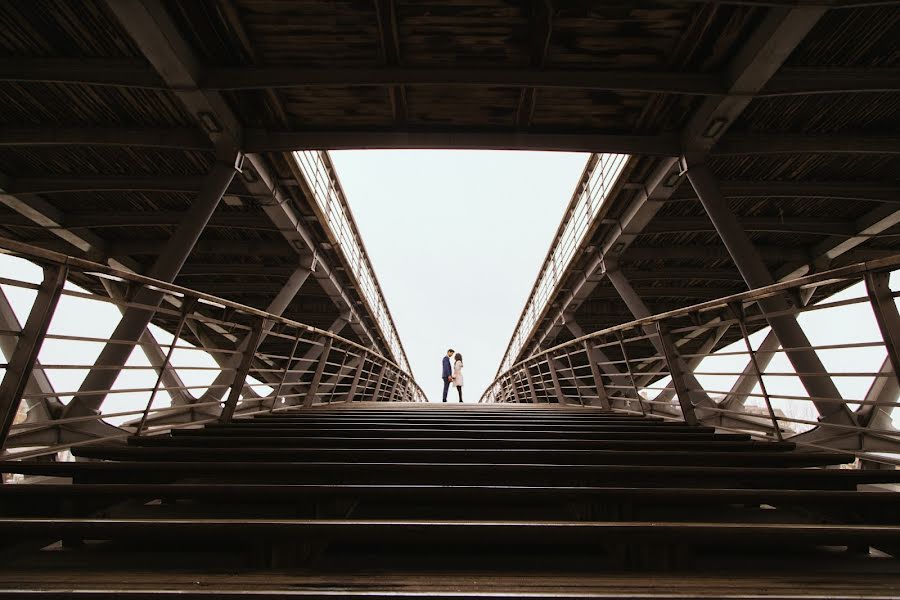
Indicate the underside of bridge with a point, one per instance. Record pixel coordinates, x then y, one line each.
169 159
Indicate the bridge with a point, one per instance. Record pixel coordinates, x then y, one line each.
669 419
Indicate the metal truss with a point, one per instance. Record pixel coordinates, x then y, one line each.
267 363
586 370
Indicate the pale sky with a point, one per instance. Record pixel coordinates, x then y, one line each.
456 239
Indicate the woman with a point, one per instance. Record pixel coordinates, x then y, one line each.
458 374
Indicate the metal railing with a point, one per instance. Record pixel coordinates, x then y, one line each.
319 176
204 358
719 363
600 175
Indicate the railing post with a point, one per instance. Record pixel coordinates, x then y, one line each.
394 387
557 388
530 381
595 373
359 369
317 376
240 376
681 388
378 382
575 379
186 307
737 309
284 374
886 315
21 363
637 395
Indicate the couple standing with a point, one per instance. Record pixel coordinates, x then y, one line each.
454 375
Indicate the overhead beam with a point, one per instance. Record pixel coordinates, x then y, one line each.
153 247
257 140
748 72
746 144
838 190
799 225
163 138
389 36
540 30
772 253
165 219
160 40
132 73
52 184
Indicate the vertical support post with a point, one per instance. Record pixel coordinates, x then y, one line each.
284 374
531 390
681 389
317 376
886 315
738 309
663 345
803 357
595 373
394 387
637 395
38 409
557 388
575 379
135 320
21 363
359 369
240 376
377 389
186 307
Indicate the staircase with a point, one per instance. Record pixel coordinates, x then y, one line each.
411 500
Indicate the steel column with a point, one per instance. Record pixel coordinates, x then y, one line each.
186 307
557 388
380 379
39 383
317 377
804 359
240 377
135 320
359 369
885 308
21 363
595 373
665 347
673 362
277 306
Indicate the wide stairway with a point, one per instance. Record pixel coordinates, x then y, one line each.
450 501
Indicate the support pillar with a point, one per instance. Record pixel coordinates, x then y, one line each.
276 307
351 394
21 363
320 369
41 409
690 392
135 320
590 352
240 377
806 362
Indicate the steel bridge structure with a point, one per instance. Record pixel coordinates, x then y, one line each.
697 400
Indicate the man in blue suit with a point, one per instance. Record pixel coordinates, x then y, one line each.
447 372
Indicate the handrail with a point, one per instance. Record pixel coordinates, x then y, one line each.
264 362
651 365
600 175
334 212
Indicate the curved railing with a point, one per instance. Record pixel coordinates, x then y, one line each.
203 358
719 363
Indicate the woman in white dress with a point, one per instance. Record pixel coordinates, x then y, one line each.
458 374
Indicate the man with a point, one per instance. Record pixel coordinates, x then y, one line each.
447 373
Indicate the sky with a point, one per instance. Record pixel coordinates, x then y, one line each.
456 239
